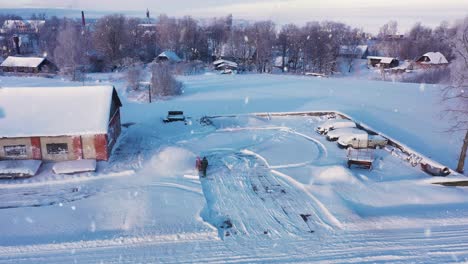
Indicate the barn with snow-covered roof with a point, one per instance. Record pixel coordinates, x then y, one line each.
27 65
59 123
432 59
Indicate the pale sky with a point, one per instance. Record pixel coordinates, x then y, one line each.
367 14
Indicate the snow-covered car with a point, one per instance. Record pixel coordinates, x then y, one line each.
173 116
334 124
362 141
333 135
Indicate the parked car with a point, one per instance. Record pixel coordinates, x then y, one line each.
334 124
362 141
173 116
333 135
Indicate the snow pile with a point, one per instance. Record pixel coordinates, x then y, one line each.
172 161
332 175
74 166
19 167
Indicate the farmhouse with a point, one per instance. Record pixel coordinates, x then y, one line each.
168 56
22 26
432 59
382 62
354 51
59 123
27 65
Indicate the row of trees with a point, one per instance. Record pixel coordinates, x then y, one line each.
115 40
417 41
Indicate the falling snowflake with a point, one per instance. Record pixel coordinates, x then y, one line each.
422 87
427 232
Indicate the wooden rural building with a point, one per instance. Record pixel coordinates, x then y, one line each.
354 51
168 56
27 65
432 59
221 65
59 123
382 62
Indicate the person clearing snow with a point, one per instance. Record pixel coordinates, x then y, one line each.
204 166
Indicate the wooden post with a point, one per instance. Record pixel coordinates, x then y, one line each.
149 92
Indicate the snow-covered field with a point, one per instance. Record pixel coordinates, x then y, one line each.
275 192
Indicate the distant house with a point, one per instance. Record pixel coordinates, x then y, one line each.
225 65
354 51
432 59
22 26
169 56
59 123
382 62
27 65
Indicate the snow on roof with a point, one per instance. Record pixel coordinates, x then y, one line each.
170 55
386 60
433 58
222 62
382 59
30 62
353 49
55 111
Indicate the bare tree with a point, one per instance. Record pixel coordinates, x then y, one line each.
163 82
48 36
134 75
263 36
69 54
112 38
455 95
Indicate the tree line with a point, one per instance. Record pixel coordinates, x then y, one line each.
116 40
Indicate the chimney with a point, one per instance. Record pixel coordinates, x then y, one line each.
83 21
17 46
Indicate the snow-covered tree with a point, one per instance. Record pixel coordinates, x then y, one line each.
70 53
163 82
456 95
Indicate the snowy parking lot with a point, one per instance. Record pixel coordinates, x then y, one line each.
275 191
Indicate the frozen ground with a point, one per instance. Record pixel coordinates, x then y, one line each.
276 191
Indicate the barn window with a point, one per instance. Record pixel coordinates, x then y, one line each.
57 148
15 151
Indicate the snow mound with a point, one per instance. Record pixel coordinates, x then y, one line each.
10 168
332 175
173 161
74 166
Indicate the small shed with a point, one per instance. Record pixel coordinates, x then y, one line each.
168 56
59 123
382 62
225 65
27 65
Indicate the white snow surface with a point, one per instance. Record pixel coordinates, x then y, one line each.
29 62
54 111
148 205
74 166
19 167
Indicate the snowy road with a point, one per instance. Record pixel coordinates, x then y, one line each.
438 245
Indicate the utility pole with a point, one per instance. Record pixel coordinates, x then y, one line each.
149 93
